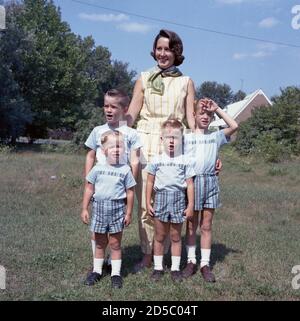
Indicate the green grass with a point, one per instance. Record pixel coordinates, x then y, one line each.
46 249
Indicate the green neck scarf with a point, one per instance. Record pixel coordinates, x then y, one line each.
155 81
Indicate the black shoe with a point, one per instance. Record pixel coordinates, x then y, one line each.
92 278
176 276
157 275
116 282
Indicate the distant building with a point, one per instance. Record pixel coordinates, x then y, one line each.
241 110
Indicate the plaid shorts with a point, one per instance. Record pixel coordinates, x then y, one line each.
206 187
170 206
108 216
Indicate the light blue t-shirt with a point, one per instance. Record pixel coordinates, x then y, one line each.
110 181
203 150
170 172
131 140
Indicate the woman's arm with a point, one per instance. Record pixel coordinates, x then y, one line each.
136 103
190 99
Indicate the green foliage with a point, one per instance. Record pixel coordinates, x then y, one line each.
51 73
273 132
222 94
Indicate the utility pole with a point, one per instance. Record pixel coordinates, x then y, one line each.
242 84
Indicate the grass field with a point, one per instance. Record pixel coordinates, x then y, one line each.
46 249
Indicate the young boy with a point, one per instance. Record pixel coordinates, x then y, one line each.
109 184
115 106
170 175
203 147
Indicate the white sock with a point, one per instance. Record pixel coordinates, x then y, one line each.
205 256
93 247
191 254
175 263
116 267
98 264
158 262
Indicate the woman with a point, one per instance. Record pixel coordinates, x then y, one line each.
159 93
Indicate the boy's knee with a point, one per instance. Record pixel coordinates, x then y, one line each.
205 228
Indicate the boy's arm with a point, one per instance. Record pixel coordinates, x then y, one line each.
149 188
136 103
189 211
89 161
129 206
210 105
190 99
135 162
232 124
87 195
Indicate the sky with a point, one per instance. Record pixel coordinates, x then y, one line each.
128 27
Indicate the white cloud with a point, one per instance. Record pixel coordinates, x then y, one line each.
230 1
269 22
239 56
134 27
261 54
233 2
104 17
262 50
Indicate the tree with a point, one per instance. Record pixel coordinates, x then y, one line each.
273 131
222 94
15 112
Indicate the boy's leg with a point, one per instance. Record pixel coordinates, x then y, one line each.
116 259
175 235
161 231
205 243
100 246
191 229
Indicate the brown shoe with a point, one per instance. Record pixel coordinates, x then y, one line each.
157 275
189 270
176 276
140 266
208 276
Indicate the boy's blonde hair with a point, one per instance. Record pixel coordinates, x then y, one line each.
111 133
173 123
120 95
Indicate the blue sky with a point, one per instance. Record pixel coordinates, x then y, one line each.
243 64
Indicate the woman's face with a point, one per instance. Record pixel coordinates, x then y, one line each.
163 54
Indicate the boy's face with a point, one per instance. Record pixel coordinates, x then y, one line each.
203 118
172 140
113 110
113 149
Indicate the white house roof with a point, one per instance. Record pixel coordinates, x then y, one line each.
233 110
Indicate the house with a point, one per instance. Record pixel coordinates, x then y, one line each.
241 110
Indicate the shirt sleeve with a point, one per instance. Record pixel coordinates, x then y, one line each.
151 168
189 170
91 176
221 138
129 180
135 141
91 142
